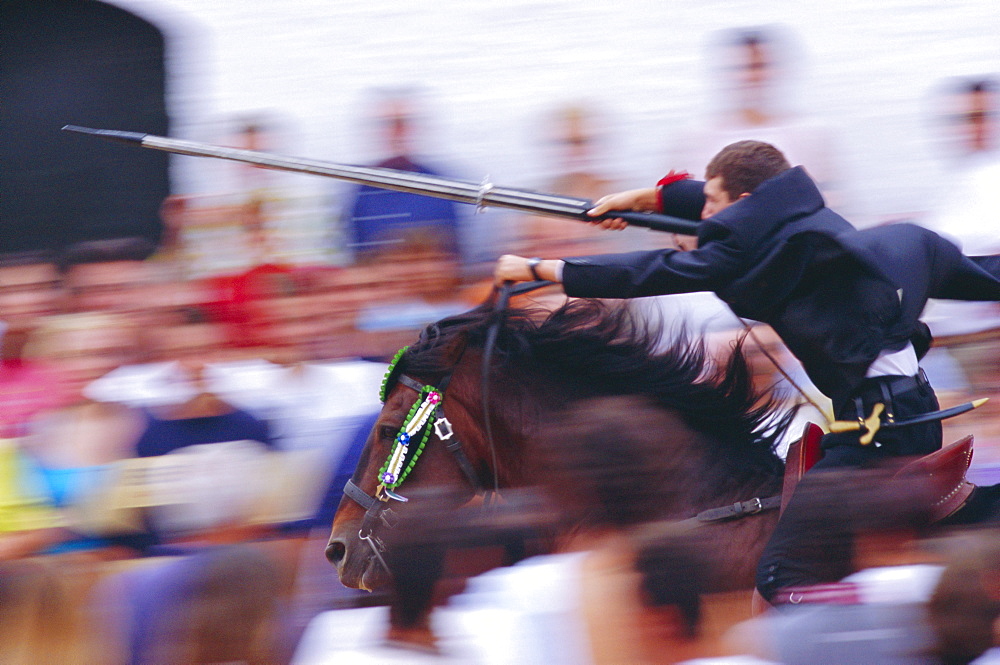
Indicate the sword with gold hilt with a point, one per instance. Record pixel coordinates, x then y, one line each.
873 423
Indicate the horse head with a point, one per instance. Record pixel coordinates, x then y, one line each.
428 434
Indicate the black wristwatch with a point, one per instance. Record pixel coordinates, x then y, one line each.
533 267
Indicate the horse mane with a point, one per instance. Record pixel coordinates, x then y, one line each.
592 348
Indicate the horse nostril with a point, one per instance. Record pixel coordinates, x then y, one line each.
335 552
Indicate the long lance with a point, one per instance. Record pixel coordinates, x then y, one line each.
479 194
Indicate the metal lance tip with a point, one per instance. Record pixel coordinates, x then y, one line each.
109 134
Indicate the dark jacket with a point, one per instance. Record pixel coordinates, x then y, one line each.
837 296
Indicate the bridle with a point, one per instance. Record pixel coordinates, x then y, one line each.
377 510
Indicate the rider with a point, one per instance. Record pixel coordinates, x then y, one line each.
845 302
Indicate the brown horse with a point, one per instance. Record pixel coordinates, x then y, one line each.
537 363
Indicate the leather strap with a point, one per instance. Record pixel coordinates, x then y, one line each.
533 267
364 499
738 509
410 383
454 446
875 387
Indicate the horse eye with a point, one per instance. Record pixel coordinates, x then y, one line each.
387 432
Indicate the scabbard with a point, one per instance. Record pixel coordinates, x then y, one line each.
483 194
931 416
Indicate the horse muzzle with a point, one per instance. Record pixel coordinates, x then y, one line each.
357 566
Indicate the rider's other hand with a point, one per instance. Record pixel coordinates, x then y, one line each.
511 268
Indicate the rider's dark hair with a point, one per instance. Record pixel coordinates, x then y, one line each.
745 165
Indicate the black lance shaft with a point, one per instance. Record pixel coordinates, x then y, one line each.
479 194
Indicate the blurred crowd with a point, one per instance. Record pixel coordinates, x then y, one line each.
177 423
147 419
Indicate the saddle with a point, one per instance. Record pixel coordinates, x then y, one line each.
801 456
944 469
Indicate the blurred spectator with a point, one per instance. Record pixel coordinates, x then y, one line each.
204 448
279 312
106 275
417 568
29 288
219 605
28 293
964 609
171 353
236 302
313 404
608 476
75 447
176 303
381 220
280 377
36 615
295 324
401 632
253 134
247 215
22 499
29 522
575 132
336 294
255 193
971 118
835 507
968 120
419 285
208 449
755 67
966 330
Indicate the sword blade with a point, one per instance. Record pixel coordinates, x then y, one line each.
522 200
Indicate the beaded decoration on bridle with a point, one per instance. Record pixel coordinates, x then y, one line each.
414 432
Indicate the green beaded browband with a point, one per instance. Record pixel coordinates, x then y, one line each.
414 433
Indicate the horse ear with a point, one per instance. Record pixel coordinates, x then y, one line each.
452 355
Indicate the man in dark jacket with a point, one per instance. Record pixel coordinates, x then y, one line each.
845 302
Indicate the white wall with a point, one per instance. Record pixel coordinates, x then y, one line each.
495 67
